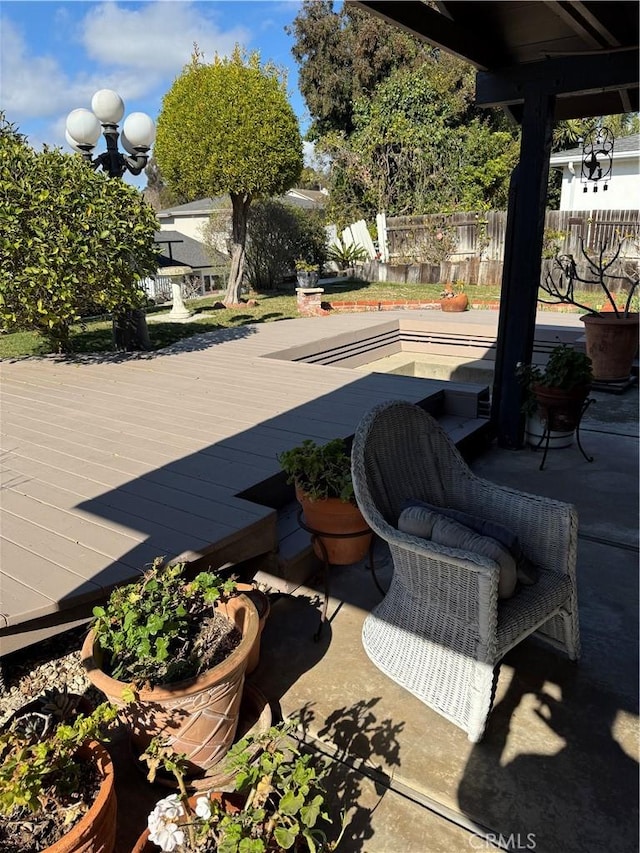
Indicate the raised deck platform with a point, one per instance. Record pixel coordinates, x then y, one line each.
109 461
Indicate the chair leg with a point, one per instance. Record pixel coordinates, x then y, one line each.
481 700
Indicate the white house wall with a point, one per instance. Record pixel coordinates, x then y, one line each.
623 191
190 226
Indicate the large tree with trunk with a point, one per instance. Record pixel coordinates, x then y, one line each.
396 118
227 127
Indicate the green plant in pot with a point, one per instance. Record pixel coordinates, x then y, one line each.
611 333
56 779
561 387
171 651
346 255
278 804
307 272
321 474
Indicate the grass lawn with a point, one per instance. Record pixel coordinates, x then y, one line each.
96 336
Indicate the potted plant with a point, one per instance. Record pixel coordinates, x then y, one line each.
453 297
307 273
611 332
172 653
322 478
278 804
560 388
56 780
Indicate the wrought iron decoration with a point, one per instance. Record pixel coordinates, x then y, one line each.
597 158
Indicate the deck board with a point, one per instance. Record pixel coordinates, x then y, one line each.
109 461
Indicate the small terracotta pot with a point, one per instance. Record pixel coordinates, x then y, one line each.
561 406
457 303
331 516
95 832
199 716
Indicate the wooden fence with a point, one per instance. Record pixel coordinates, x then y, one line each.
470 246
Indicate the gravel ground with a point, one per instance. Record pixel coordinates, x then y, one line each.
48 664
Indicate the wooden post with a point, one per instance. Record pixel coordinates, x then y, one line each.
522 265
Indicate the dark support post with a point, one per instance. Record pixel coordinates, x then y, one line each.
522 265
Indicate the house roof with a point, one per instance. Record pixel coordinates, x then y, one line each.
307 199
176 248
624 147
584 53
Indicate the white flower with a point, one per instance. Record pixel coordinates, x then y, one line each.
170 807
168 837
203 809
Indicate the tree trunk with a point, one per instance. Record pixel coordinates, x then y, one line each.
240 204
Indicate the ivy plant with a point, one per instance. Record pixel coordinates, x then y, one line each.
148 628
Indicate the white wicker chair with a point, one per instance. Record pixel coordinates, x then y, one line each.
440 631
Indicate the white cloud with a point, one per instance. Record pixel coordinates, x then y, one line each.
156 37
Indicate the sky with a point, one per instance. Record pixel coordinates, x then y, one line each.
55 55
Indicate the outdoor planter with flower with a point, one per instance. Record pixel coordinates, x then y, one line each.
279 803
172 653
453 297
56 779
321 474
611 333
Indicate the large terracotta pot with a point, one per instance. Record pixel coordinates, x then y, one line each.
457 303
199 716
333 516
611 344
263 606
95 832
561 406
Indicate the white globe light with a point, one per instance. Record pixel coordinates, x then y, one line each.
108 106
71 142
139 131
83 127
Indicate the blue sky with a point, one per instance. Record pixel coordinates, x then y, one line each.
55 55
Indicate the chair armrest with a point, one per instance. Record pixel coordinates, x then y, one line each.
547 528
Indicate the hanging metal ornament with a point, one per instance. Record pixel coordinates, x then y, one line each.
597 158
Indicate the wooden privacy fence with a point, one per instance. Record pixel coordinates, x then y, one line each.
470 246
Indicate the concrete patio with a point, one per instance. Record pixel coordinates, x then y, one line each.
558 768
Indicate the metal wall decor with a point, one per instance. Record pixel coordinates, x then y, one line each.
597 158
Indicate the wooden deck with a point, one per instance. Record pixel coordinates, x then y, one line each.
108 462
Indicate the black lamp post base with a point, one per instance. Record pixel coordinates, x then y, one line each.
130 331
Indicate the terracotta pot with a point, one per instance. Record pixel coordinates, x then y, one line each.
95 832
232 803
199 716
562 406
263 606
330 516
611 344
457 303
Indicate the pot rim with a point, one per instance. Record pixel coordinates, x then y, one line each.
91 659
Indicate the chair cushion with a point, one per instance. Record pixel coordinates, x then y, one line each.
527 571
428 524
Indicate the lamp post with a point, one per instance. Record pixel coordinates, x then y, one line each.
83 130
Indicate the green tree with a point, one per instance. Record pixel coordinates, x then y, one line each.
72 240
343 56
278 233
227 127
420 146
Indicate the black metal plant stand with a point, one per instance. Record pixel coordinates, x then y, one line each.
317 536
551 425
